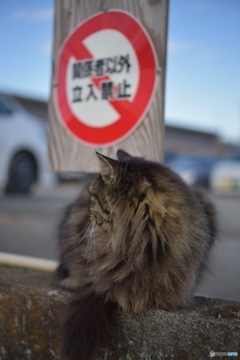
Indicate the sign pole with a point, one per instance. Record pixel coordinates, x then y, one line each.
107 83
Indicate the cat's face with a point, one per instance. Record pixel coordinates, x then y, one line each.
119 190
100 211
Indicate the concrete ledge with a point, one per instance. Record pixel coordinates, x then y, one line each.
31 311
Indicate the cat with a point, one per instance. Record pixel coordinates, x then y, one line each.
139 237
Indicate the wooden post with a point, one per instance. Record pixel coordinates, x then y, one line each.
66 153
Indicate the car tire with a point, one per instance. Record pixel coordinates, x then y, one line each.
22 174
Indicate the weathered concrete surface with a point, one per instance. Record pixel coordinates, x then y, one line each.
30 315
31 311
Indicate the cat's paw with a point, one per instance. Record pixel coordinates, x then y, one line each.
69 283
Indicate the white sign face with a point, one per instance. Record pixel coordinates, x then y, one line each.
112 73
106 78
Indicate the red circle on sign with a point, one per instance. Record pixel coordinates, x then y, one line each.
131 112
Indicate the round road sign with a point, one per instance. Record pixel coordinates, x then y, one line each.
106 78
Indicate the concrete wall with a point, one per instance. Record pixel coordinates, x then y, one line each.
32 308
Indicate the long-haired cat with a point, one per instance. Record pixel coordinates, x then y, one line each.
138 239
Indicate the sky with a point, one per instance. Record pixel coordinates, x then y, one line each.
203 60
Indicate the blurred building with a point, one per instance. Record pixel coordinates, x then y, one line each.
177 139
183 140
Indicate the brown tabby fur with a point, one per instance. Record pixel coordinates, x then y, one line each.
143 245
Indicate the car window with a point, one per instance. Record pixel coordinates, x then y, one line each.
4 109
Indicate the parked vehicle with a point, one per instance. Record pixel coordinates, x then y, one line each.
169 157
225 176
23 147
194 170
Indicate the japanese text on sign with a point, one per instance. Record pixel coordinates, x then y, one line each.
96 69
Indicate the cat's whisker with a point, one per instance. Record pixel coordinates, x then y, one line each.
87 230
81 236
94 240
91 241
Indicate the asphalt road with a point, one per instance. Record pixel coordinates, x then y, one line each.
28 226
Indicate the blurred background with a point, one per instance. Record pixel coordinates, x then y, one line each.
202 116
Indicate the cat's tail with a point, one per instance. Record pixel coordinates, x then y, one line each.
86 327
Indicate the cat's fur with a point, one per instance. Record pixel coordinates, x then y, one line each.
142 244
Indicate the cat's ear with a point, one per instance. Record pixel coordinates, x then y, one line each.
123 155
107 168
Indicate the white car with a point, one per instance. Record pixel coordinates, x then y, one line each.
225 176
23 147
